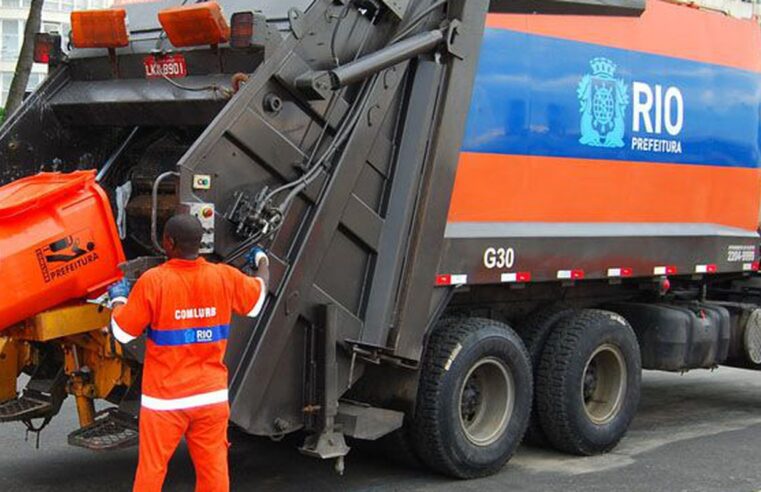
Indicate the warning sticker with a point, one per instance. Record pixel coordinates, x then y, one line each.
66 255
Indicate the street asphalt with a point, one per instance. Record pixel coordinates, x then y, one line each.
696 432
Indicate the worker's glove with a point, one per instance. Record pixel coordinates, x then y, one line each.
256 255
119 292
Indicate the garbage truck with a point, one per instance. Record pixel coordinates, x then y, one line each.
484 219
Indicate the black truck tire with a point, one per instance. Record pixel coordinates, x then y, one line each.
534 330
398 447
474 397
588 384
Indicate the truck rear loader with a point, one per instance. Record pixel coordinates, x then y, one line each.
484 219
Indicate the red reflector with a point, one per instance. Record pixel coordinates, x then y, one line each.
241 29
516 277
43 45
665 285
443 279
620 272
448 279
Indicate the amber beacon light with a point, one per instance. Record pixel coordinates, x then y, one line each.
99 28
195 25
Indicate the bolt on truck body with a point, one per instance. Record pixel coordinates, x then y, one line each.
484 219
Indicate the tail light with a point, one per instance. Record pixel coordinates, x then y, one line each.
47 48
99 29
242 27
195 25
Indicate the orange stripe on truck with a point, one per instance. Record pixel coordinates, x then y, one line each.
516 188
664 29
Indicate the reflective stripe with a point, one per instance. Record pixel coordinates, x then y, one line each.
206 334
183 403
120 335
259 302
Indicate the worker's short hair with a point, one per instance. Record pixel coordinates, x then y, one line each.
186 232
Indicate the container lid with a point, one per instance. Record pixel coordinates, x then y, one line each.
39 190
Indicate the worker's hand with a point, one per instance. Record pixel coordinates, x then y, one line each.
256 256
119 292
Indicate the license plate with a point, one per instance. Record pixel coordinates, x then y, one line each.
172 66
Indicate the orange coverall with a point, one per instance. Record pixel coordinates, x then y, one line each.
186 306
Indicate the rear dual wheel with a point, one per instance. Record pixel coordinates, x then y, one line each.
534 330
474 398
588 382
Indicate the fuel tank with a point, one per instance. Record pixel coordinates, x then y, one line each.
58 242
679 336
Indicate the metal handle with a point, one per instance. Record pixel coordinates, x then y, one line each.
154 209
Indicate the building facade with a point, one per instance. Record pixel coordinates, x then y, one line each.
13 14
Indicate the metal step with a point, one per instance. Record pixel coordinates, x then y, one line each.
31 405
111 430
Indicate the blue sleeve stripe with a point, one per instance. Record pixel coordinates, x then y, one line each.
188 336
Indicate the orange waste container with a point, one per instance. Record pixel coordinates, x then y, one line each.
58 241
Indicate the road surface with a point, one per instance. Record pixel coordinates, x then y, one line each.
696 432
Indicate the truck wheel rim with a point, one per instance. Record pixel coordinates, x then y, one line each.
604 384
487 398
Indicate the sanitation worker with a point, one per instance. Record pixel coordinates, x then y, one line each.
186 306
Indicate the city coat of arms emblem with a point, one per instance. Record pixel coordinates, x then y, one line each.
603 99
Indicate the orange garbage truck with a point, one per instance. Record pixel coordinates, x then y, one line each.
484 219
